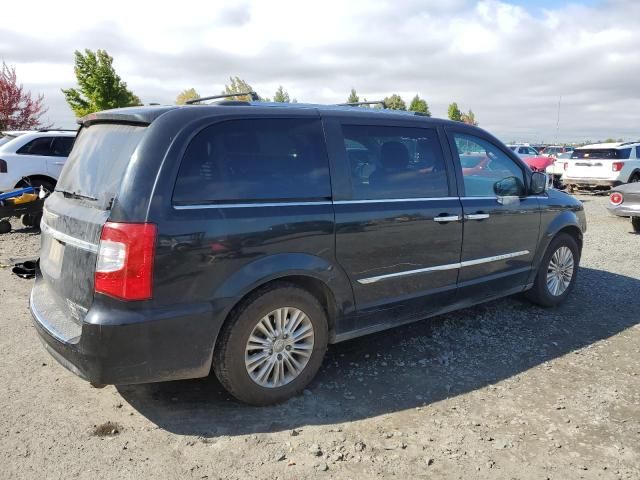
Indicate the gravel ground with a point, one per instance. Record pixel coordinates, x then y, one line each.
502 390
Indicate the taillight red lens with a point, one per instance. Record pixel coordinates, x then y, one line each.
616 198
124 268
566 165
617 166
3 166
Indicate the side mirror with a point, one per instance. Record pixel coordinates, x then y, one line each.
539 182
508 187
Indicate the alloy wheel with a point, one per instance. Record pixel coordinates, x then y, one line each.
279 347
560 271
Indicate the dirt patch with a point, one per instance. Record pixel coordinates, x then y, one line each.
107 429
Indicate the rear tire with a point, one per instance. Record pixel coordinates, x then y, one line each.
557 272
635 223
38 183
236 356
5 226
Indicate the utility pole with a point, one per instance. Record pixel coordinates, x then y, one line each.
558 120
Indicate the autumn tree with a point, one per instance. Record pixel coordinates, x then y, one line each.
469 118
18 109
419 105
353 97
454 112
395 102
99 86
186 95
281 96
238 85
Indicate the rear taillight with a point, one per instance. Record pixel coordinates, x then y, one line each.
617 166
124 268
616 198
566 166
3 166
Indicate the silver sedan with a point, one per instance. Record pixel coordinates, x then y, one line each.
624 201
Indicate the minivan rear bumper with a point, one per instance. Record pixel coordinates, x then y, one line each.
126 345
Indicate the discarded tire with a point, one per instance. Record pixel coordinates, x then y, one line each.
5 226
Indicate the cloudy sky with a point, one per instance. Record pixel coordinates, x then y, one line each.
510 61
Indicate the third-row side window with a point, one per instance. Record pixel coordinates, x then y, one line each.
394 162
255 160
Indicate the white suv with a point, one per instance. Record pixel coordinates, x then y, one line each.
34 158
602 165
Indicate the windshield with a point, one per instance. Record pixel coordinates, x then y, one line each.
601 153
98 161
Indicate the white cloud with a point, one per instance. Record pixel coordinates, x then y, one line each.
507 63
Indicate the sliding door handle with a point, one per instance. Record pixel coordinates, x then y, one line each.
477 216
446 219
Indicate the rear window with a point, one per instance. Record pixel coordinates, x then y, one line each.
96 165
601 153
254 160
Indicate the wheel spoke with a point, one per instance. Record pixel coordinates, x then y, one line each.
303 332
265 371
302 352
295 320
297 366
257 343
256 361
300 318
290 365
276 372
266 327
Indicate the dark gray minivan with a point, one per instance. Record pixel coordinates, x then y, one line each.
244 237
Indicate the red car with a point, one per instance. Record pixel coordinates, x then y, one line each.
474 164
539 164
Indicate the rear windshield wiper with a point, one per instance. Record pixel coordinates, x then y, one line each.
77 195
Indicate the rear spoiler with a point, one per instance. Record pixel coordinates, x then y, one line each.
132 116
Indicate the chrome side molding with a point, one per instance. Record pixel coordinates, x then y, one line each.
449 266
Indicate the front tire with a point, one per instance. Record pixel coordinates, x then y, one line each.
635 223
272 346
557 272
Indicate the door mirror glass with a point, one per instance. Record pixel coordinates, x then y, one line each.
538 183
508 187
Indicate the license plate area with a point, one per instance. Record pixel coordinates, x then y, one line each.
51 262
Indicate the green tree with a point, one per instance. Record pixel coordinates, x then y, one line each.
395 102
99 86
469 118
454 112
419 105
238 85
185 95
281 96
353 97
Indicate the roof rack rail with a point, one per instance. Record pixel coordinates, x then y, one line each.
357 104
56 130
629 143
254 96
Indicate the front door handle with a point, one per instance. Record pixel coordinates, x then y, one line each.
446 219
477 216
